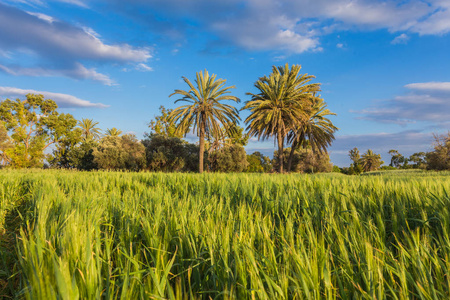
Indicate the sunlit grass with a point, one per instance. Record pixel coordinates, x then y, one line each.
179 236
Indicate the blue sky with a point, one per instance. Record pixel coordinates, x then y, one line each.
383 65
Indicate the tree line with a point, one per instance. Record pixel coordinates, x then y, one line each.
287 107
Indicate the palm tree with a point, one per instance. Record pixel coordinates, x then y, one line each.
316 130
113 132
89 129
204 111
371 161
279 104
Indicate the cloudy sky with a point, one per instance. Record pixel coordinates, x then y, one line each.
383 64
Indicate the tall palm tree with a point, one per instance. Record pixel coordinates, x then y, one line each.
316 130
204 112
113 132
89 129
371 161
279 104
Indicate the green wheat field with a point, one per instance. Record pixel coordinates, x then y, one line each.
111 235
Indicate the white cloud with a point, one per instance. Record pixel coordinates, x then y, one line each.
44 3
77 71
425 102
401 39
63 100
293 26
75 2
139 67
60 46
144 68
430 86
44 17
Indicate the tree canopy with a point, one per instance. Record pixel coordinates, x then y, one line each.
34 124
282 100
205 113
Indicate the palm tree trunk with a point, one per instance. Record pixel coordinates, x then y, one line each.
291 155
202 145
280 151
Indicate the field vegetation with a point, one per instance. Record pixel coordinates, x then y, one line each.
92 235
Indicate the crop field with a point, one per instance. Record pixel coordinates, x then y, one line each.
111 235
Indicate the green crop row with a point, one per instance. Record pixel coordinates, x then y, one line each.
223 236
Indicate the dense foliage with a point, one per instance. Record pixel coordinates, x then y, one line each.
230 158
170 154
244 236
304 160
34 125
439 159
120 153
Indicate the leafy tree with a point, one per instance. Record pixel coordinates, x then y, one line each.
439 159
170 154
254 164
397 159
371 161
82 156
162 125
257 162
5 144
231 158
316 131
235 135
355 167
204 112
418 160
136 159
34 124
120 153
307 161
278 105
89 128
232 135
336 169
354 155
113 132
63 154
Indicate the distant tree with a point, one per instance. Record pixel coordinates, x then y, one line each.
135 159
232 135
113 132
82 156
161 124
254 164
354 155
231 158
35 125
306 161
120 153
396 158
257 163
315 131
355 167
388 168
371 161
89 128
418 160
439 158
170 154
63 154
279 104
204 112
336 169
5 144
235 135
